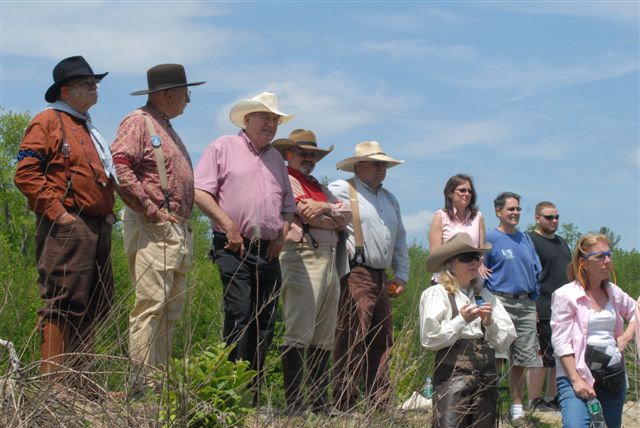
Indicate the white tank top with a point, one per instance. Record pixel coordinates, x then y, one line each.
600 332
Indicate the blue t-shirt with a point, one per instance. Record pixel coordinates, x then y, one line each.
514 263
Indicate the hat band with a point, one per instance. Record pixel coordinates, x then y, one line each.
307 143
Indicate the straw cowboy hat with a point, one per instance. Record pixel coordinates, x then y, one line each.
367 151
165 76
67 70
302 138
459 243
265 101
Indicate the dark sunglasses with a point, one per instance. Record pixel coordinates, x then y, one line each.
512 209
307 155
469 257
464 190
551 217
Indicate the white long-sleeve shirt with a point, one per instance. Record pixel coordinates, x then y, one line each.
438 330
385 239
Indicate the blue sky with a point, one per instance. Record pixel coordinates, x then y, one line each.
540 98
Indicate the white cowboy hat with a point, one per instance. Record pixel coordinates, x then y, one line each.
265 101
460 243
367 151
302 138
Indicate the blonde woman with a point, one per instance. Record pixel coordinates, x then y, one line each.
588 335
465 324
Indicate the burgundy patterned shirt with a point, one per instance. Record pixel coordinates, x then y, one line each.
137 170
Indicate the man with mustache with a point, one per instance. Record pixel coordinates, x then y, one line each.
65 170
515 267
310 277
156 184
242 185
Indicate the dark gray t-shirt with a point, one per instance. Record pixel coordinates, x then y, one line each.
554 256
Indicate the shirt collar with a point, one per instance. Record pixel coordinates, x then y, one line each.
251 145
156 113
366 186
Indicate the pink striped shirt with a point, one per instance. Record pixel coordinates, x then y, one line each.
251 186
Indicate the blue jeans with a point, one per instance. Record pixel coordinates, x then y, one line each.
574 409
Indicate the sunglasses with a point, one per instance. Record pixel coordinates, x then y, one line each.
600 255
551 217
307 155
464 190
469 257
513 209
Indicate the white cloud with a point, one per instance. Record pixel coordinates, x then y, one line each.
619 11
330 103
417 222
115 36
402 49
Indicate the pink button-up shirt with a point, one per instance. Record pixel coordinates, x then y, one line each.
570 314
251 186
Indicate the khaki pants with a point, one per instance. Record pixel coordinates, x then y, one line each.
159 257
310 291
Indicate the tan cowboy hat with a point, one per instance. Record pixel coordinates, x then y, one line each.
265 101
165 76
367 151
302 138
459 243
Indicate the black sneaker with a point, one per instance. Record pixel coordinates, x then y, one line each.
539 405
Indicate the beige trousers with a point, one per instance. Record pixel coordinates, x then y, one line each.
159 258
310 291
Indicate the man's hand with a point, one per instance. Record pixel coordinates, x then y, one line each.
234 239
274 248
397 285
310 209
64 218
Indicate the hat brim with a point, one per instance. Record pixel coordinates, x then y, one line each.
348 164
244 107
284 144
166 87
440 255
50 95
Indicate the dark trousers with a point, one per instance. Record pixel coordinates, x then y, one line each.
251 286
363 339
74 266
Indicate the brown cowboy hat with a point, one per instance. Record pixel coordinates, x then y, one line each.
460 243
367 151
303 138
165 76
67 70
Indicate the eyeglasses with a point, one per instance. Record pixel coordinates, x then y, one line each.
513 209
469 257
600 255
305 154
375 164
551 217
266 117
464 190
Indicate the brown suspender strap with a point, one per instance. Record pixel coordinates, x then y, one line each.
66 156
156 143
454 306
355 220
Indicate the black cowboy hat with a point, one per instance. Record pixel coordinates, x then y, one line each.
67 70
165 76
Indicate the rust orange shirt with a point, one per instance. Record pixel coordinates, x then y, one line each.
40 171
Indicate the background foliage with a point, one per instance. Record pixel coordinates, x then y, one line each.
196 347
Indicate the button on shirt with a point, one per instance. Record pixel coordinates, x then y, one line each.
251 186
385 239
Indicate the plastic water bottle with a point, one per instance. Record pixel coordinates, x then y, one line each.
427 389
595 411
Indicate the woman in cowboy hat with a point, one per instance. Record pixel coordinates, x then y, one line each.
465 324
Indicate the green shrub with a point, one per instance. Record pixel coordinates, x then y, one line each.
205 389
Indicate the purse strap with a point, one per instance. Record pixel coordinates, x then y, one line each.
156 143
